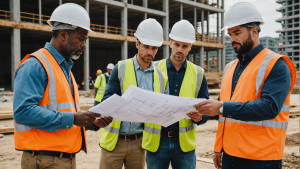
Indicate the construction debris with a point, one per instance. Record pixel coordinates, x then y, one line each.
4 129
6 115
5 99
206 160
296 154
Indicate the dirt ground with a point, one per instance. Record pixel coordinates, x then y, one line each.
10 158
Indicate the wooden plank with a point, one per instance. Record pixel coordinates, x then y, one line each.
4 129
214 91
206 160
6 115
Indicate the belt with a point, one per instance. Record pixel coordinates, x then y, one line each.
52 153
170 133
131 137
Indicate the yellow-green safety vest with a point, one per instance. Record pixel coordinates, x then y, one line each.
126 72
187 129
100 84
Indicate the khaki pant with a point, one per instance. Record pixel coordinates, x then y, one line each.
46 162
128 152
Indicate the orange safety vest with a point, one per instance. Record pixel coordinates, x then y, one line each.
57 97
256 140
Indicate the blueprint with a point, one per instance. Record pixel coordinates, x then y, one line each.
139 105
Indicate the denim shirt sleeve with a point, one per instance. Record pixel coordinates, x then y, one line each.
29 85
203 93
273 94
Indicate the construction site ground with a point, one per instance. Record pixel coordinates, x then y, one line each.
11 158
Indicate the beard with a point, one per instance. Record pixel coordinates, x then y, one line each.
146 60
71 52
178 58
246 47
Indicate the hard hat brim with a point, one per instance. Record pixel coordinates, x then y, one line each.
149 42
88 29
180 39
231 26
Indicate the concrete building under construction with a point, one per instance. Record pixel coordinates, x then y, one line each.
23 30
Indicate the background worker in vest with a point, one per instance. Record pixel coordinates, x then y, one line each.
49 126
121 141
101 82
177 142
254 100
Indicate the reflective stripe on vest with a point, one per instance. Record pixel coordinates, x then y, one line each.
101 88
187 129
56 97
256 140
109 134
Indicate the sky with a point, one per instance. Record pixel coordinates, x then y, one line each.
267 8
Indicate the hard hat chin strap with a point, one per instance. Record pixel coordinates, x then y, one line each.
59 26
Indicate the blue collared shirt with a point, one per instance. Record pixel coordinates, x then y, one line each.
30 83
175 80
144 81
273 94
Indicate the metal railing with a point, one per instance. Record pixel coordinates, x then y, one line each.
207 38
34 18
110 29
5 14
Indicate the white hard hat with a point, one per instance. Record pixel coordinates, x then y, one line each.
69 16
241 13
183 31
150 32
110 66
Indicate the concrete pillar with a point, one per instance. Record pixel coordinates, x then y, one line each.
145 4
14 6
105 18
219 51
195 19
86 60
60 2
202 22
181 11
218 27
207 26
223 38
40 11
166 48
124 25
201 53
207 59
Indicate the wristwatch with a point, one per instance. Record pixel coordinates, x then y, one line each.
221 109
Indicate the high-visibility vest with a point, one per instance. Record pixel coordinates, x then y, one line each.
109 135
256 140
100 84
190 87
57 97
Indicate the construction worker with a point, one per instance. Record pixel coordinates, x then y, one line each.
101 82
176 144
121 141
109 67
49 125
255 97
99 72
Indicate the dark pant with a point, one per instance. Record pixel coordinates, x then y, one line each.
96 103
169 151
230 162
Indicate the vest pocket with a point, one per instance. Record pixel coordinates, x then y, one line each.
251 141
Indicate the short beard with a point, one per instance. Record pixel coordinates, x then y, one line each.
246 47
71 52
144 60
178 58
